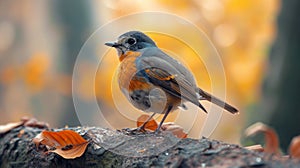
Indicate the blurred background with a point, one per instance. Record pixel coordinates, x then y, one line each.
257 41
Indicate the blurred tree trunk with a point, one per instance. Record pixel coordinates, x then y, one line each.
281 91
75 18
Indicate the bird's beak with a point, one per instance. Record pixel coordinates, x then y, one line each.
112 44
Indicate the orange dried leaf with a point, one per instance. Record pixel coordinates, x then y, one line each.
175 129
72 153
271 137
151 125
67 143
294 148
5 128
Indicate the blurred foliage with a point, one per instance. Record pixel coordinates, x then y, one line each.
280 102
38 50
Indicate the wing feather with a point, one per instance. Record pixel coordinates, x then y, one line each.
162 72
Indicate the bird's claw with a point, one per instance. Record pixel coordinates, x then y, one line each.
134 131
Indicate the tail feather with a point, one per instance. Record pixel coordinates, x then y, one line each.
217 101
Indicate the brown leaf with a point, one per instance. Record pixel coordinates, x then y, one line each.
175 129
5 128
26 121
169 126
257 148
151 125
67 143
294 148
33 122
271 137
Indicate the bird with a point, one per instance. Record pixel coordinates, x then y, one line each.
153 81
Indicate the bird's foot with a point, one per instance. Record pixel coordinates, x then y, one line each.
157 131
134 131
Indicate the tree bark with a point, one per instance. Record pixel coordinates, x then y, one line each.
109 148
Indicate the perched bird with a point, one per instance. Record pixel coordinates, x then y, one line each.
155 82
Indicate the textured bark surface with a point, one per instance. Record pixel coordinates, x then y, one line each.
109 148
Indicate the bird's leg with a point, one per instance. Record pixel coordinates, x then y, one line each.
142 127
163 119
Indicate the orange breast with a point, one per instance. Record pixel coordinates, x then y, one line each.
129 54
127 74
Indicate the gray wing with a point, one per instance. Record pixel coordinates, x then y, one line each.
156 52
169 74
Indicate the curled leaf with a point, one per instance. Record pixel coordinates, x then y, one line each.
151 125
175 129
5 128
33 122
294 148
67 143
257 148
168 126
271 137
26 121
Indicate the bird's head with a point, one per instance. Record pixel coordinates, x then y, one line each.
131 41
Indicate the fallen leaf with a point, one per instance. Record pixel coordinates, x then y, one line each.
271 137
257 148
67 143
5 128
151 125
168 126
294 149
175 129
33 122
26 121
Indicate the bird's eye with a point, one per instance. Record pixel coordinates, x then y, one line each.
131 41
